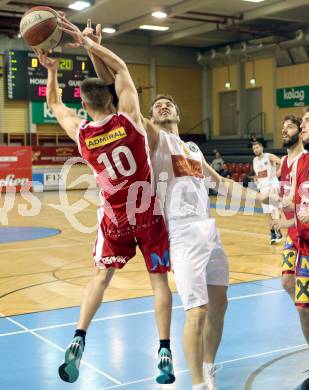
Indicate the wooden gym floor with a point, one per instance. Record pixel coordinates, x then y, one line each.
50 273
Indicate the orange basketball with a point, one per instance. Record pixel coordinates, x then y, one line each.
39 28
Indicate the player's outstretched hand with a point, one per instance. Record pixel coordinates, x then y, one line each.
303 215
89 32
47 62
74 31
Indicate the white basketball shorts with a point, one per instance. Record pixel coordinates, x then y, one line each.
198 259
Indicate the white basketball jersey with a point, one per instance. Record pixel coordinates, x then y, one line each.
179 176
265 172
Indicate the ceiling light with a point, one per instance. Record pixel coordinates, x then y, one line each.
155 28
159 14
213 53
253 79
109 30
254 1
79 5
227 50
228 82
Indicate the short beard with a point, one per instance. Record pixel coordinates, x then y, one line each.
165 121
292 141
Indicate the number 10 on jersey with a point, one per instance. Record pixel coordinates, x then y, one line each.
117 163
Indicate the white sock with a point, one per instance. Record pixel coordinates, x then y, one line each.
208 366
200 386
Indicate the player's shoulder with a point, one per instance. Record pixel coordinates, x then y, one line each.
193 147
305 157
284 159
127 120
84 124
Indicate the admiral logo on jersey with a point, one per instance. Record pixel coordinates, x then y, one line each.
107 138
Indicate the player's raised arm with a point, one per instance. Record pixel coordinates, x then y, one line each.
99 66
102 71
152 133
125 88
66 117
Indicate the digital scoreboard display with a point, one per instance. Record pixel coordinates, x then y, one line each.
27 78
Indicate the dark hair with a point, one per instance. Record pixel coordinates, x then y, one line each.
159 97
95 93
296 120
257 143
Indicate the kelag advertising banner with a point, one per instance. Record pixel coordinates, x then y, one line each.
41 114
293 96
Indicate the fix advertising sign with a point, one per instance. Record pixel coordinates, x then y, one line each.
15 168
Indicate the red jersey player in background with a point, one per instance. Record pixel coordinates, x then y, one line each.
293 142
115 146
300 197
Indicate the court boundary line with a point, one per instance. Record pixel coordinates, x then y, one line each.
90 366
134 314
224 362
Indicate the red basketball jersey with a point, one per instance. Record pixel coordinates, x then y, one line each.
118 153
286 185
302 201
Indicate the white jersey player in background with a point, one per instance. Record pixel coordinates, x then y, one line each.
265 166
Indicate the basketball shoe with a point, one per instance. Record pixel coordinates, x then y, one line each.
305 384
165 366
69 370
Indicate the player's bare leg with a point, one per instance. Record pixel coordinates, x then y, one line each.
92 299
163 304
93 296
213 330
288 283
304 320
193 342
217 306
163 309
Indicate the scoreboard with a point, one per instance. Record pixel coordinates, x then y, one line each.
27 78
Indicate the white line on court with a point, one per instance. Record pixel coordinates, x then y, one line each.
224 362
130 314
60 349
